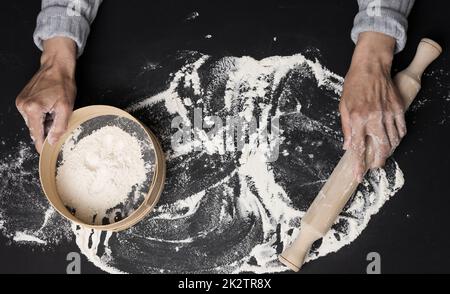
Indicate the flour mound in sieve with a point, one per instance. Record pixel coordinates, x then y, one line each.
100 172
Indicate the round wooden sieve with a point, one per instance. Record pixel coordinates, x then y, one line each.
48 164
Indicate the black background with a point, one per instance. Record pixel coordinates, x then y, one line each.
410 232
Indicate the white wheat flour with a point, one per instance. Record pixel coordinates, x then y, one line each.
99 171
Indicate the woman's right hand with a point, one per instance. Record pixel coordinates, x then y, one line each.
371 106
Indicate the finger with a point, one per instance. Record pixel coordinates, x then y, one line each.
346 126
358 147
399 113
381 145
61 113
36 126
24 115
400 124
392 132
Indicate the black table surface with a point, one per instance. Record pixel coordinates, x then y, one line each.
409 232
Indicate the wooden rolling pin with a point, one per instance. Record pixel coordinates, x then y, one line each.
342 183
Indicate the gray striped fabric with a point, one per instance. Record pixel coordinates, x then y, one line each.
72 19
66 18
384 16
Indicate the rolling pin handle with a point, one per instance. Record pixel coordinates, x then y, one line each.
294 256
427 51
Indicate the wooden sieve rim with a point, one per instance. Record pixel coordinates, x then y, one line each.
48 160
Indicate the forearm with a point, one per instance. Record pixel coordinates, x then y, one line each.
66 18
59 56
383 16
374 51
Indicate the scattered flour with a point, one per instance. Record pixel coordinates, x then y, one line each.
99 172
239 212
23 207
24 237
250 188
192 16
